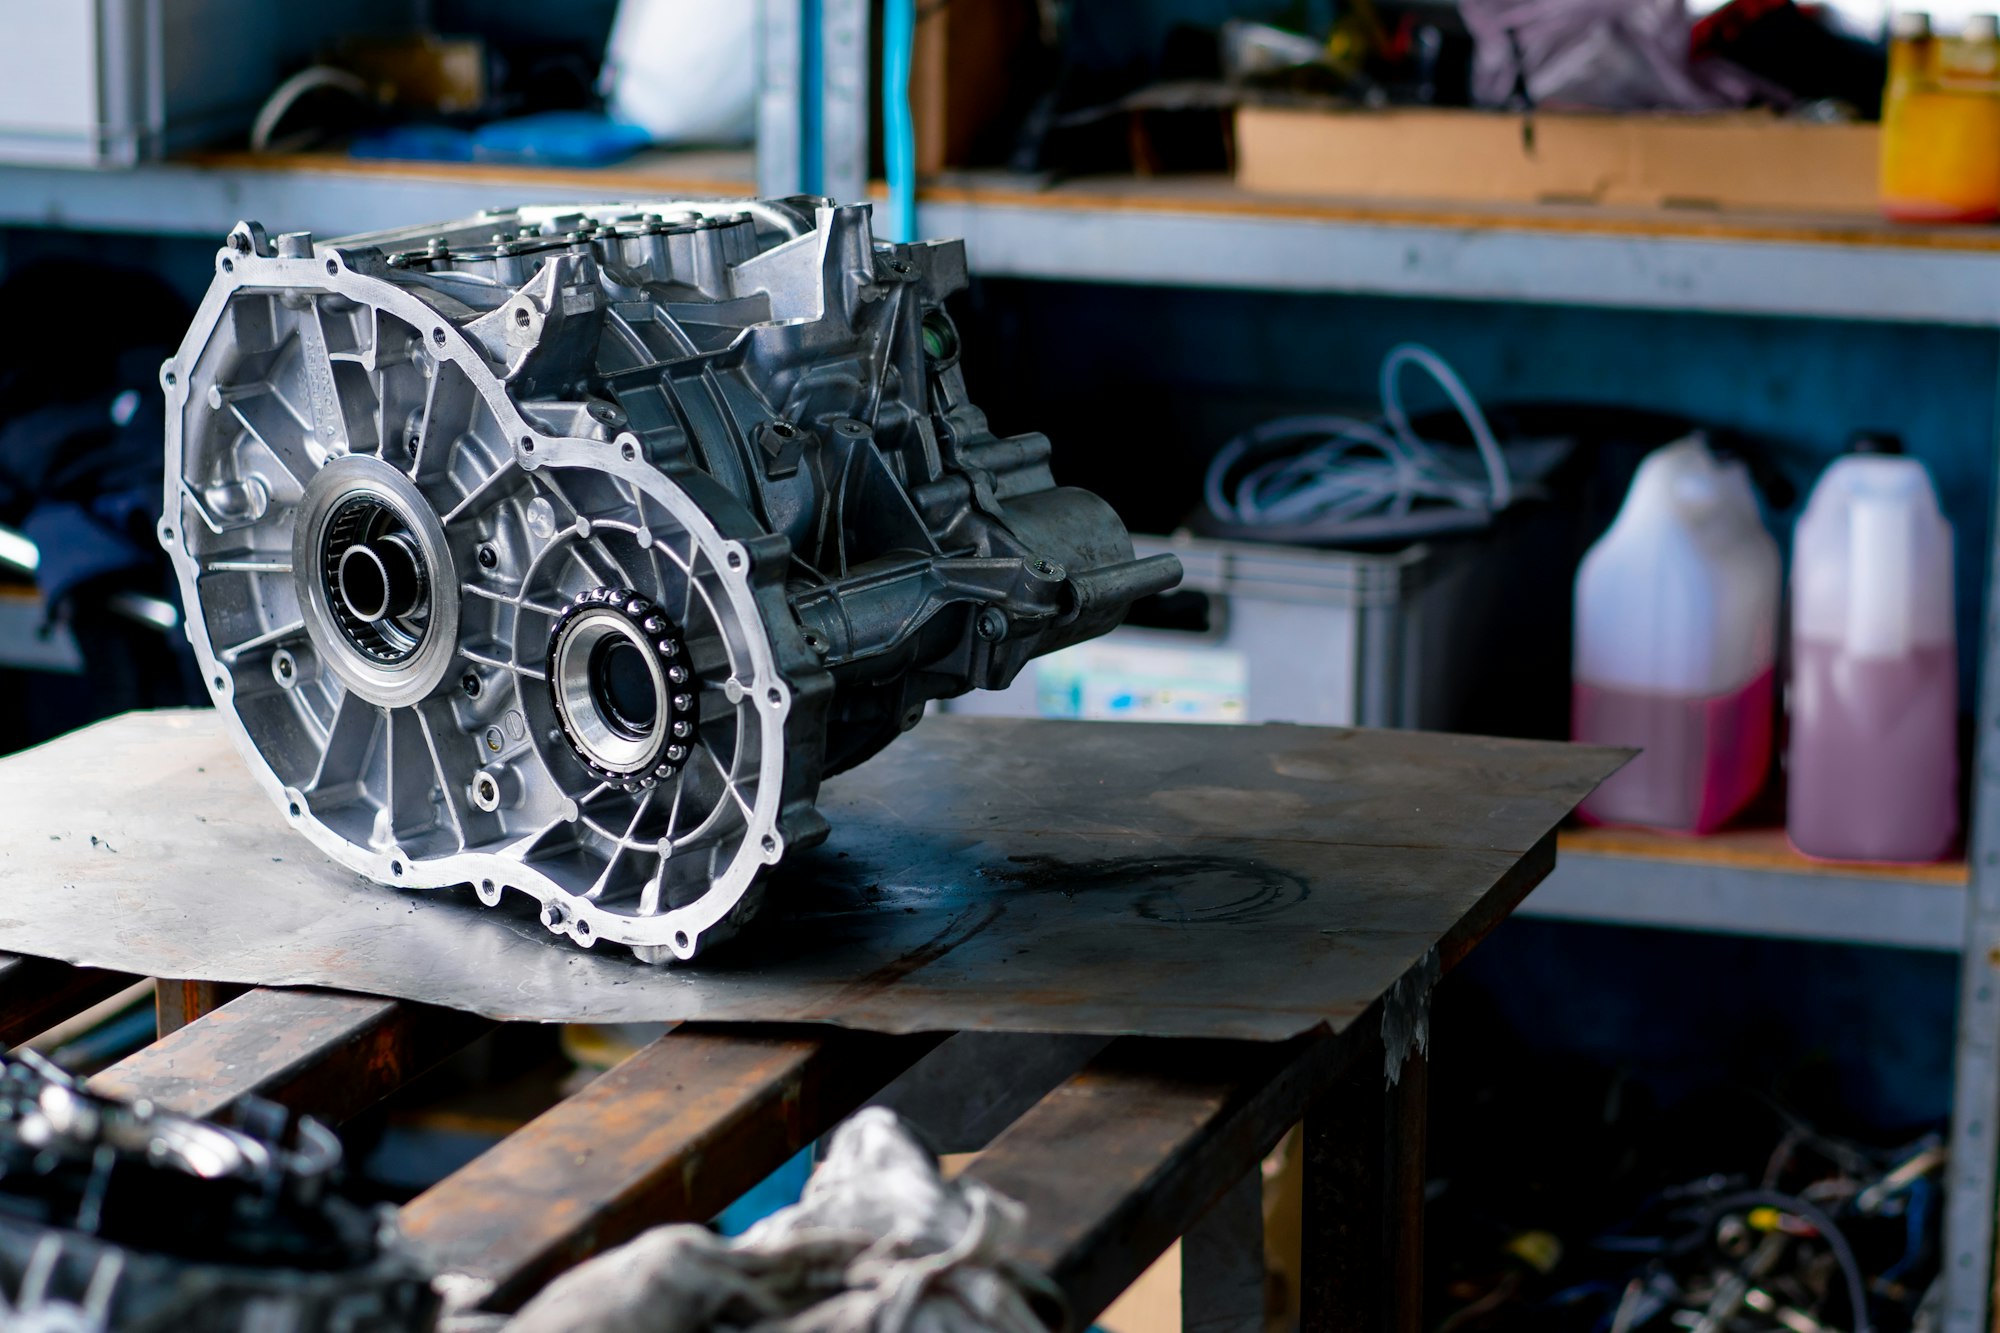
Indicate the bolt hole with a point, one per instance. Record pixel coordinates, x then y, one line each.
582 929
294 809
396 869
172 379
470 684
775 696
437 336
770 844
168 533
784 430
228 265
333 267
220 683
527 444
735 559
488 557
521 316
682 942
629 451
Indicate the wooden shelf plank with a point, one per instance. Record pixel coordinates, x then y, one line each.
1213 195
1747 849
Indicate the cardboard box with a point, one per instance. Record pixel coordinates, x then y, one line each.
962 75
1725 160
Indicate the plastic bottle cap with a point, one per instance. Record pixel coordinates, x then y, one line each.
1875 442
1910 23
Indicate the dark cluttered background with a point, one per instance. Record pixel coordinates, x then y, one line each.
1582 1149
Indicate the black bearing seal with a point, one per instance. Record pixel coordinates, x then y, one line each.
677 718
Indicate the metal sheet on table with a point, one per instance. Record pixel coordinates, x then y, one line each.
983 873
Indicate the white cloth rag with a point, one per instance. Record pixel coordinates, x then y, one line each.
880 1243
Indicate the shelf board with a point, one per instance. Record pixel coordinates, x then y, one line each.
334 195
1765 849
1173 231
1750 882
1207 232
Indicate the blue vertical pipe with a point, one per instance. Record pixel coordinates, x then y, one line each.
812 97
899 131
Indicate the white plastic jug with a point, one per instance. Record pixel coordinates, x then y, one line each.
1873 758
1676 643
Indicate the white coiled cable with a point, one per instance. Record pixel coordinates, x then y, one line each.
1350 470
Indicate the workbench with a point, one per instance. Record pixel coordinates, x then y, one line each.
1117 1143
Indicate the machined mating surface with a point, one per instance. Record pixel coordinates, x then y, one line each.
565 551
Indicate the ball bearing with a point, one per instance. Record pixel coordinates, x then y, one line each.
616 668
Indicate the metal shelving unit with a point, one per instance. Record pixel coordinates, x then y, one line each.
1180 232
1208 234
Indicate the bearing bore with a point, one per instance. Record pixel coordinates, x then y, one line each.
375 580
623 691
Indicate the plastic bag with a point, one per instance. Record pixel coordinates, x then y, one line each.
1612 55
684 70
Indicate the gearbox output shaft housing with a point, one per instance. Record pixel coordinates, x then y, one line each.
566 550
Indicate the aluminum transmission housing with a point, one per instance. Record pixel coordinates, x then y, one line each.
566 550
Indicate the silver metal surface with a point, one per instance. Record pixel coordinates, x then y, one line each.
846 108
780 98
565 550
983 874
1968 1259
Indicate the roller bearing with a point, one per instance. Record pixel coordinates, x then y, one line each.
625 696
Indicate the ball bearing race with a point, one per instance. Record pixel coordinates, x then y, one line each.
623 689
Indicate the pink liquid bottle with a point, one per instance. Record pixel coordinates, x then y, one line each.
1873 760
1676 644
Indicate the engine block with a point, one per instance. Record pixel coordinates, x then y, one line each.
566 550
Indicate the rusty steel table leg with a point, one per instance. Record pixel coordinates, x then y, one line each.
179 1003
1222 1263
1363 1225
1137 1146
